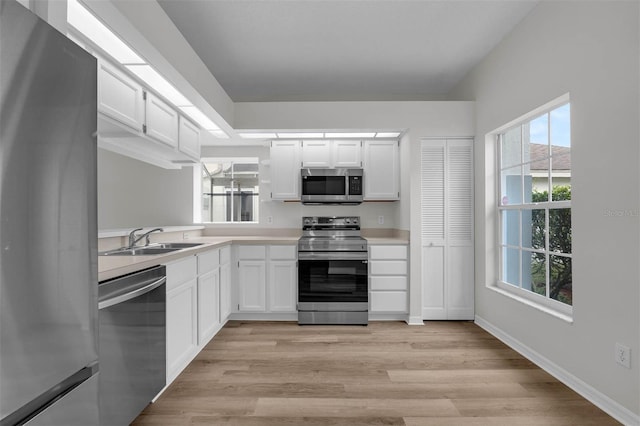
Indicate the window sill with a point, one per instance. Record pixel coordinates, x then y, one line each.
512 293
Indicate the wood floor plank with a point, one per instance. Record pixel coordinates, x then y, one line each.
446 373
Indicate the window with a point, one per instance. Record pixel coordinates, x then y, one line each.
230 190
535 208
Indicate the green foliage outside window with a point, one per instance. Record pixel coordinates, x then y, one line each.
560 281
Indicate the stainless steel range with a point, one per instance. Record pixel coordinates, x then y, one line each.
332 272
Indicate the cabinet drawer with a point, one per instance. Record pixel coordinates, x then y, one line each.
390 267
389 283
181 271
208 261
388 301
225 255
251 252
282 252
388 252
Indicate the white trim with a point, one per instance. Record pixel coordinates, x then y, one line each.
602 401
415 320
559 101
534 300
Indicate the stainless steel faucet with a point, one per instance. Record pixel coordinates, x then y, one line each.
134 239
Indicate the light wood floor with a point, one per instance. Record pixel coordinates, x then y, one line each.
389 373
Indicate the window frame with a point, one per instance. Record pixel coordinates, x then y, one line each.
529 297
198 190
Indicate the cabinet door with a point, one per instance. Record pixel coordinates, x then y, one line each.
208 305
282 285
189 139
182 327
346 153
120 97
381 170
316 153
225 292
285 170
252 286
161 121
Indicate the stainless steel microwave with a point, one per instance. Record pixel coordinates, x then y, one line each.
332 186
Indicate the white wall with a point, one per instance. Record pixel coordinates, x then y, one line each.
591 50
133 194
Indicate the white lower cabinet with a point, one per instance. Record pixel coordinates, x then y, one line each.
252 285
182 315
198 304
225 283
208 306
282 285
267 279
388 283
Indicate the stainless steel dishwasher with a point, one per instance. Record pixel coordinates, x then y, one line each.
132 350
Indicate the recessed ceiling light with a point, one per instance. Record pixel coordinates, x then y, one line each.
387 134
350 135
204 121
159 84
85 22
300 135
258 135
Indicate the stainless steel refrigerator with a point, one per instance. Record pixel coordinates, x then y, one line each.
48 235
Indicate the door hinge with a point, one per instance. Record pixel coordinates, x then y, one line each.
238 263
144 128
238 306
144 95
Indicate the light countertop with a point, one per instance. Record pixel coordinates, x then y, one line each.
115 266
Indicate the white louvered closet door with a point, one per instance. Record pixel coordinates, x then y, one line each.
447 229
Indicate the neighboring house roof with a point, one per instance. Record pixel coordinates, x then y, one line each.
561 157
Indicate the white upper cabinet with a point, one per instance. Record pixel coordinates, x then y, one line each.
133 121
316 153
381 170
331 153
120 97
285 170
161 120
346 153
189 139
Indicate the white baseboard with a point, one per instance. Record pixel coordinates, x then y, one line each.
611 407
415 320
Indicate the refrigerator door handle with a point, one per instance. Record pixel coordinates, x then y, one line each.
132 294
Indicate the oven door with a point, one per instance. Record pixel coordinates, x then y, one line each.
324 281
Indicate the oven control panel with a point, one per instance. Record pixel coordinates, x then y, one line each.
331 222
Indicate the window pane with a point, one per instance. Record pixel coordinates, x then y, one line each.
561 174
510 227
512 147
536 144
511 186
511 266
560 230
534 272
560 281
561 126
533 223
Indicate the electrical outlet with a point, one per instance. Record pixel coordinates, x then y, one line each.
185 235
269 220
623 355
380 220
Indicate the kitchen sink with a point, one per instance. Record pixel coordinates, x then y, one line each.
175 245
139 251
157 248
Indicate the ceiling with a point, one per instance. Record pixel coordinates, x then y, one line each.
349 50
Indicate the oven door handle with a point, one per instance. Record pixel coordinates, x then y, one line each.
132 294
338 255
